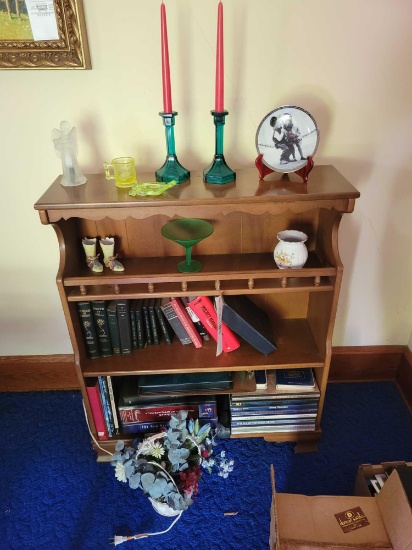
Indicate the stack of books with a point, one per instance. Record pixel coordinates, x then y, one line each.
147 414
272 409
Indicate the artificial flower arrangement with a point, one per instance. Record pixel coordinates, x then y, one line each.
167 466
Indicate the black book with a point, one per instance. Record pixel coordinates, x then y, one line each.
140 328
175 322
153 322
174 383
123 317
165 327
249 322
111 311
196 321
102 327
133 325
147 323
84 310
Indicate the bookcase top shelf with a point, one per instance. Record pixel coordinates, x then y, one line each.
90 200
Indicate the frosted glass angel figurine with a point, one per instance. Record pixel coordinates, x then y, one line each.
65 145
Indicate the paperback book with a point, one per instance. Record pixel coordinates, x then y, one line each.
294 379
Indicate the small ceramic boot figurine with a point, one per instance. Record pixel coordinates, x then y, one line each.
89 246
107 244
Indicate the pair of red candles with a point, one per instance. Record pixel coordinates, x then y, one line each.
219 87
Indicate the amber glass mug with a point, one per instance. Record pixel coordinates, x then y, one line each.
124 171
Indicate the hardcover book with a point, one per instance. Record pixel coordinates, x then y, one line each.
164 411
186 321
249 322
146 322
164 324
196 321
174 322
113 327
112 400
104 396
203 308
133 325
294 379
140 324
156 427
102 327
156 332
261 379
273 394
84 310
93 393
123 317
174 383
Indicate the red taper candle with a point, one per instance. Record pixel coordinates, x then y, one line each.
219 61
167 92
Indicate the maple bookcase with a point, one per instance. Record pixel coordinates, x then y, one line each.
237 259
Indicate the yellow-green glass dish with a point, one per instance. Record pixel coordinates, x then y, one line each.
150 189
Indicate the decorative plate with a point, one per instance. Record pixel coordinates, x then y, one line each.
286 137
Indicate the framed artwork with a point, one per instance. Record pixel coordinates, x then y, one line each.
43 34
286 137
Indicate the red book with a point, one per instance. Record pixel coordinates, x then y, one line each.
93 394
204 309
156 413
186 321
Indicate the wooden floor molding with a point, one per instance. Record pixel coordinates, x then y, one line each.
23 373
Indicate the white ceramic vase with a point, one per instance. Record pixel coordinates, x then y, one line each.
291 251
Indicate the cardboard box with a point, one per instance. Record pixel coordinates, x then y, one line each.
300 522
368 471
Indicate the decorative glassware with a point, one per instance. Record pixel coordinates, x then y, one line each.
291 251
219 172
171 169
187 232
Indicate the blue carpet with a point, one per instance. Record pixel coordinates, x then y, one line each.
54 495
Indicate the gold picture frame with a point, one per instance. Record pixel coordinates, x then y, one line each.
70 51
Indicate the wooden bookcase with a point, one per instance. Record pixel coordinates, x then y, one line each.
237 259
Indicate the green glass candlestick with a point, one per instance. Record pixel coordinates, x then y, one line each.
171 169
219 172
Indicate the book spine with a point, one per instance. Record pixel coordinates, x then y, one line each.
196 321
113 328
175 323
156 427
123 317
113 405
84 310
204 309
147 324
268 419
97 410
133 327
102 327
104 396
186 321
132 414
164 324
141 334
153 324
268 409
273 429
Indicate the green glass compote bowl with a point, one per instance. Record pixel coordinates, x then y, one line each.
187 232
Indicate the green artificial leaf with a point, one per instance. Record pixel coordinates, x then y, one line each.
196 426
191 426
203 432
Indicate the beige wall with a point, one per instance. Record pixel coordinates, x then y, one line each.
347 62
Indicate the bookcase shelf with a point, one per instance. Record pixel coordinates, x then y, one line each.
237 258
